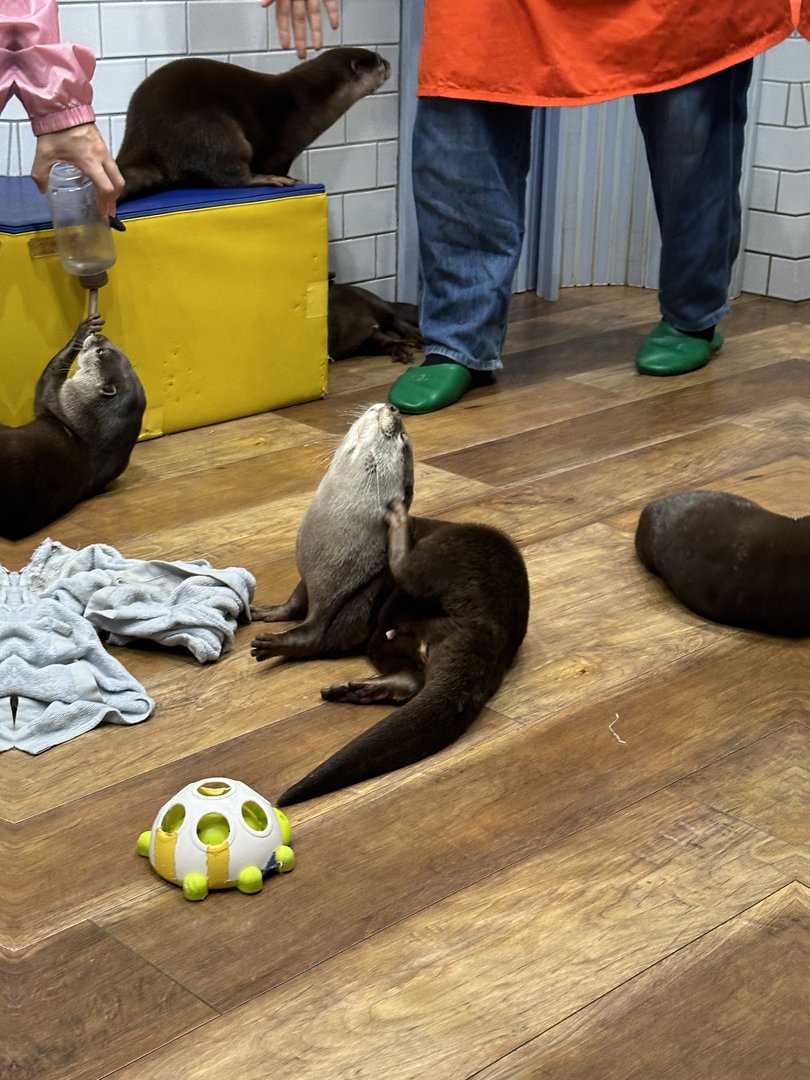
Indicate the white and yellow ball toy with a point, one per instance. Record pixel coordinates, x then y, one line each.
217 834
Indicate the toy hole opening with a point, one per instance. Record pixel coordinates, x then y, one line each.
213 788
213 829
254 817
173 818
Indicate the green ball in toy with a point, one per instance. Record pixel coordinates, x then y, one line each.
250 880
195 886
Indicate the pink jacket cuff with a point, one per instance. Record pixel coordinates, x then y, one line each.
65 118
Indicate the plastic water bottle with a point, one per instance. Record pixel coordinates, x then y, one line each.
83 237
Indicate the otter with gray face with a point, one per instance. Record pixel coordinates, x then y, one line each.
441 608
80 439
197 122
730 560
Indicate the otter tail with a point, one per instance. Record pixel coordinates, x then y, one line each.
433 719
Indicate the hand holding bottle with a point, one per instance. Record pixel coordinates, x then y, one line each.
83 147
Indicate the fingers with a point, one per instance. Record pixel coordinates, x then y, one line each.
293 17
83 147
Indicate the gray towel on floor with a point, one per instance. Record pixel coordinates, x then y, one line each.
56 680
188 604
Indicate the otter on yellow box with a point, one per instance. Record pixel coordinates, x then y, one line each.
218 297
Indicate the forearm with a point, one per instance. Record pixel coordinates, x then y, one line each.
52 78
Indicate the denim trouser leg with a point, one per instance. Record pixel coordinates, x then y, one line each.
694 137
470 160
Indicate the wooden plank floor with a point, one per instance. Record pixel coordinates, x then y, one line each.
607 877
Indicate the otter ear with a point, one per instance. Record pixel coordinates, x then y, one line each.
108 390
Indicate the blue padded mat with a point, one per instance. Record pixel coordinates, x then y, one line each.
23 208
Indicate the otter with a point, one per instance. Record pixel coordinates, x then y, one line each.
363 324
80 439
197 122
441 608
730 560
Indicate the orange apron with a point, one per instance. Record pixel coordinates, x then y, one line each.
571 52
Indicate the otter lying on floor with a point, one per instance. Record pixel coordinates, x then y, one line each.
363 324
730 560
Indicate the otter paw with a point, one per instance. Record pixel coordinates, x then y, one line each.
396 514
91 325
264 646
264 613
361 692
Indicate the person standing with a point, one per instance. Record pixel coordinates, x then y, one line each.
483 66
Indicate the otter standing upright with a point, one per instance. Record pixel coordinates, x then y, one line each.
198 122
84 430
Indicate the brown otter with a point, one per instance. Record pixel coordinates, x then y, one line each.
730 560
363 324
80 439
198 122
441 608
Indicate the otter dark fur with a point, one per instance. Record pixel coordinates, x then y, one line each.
730 560
80 439
363 324
441 610
197 122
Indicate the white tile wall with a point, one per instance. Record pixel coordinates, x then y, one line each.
153 29
787 62
370 212
344 168
794 193
387 163
80 22
356 159
371 22
353 260
777 242
764 189
788 279
773 103
386 254
755 273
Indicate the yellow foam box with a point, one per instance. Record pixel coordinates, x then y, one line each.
217 297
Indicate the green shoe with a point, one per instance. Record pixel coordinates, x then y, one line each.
667 351
429 387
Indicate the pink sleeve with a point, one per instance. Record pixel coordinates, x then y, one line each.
51 78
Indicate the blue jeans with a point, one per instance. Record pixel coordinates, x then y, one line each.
470 161
694 136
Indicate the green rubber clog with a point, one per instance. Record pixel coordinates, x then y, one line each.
667 351
430 387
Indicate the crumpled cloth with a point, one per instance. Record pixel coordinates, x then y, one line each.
56 679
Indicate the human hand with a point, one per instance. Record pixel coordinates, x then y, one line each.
83 147
299 13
